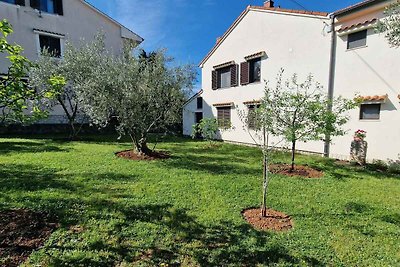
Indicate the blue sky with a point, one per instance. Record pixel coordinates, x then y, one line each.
189 28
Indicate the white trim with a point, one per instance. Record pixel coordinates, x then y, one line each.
37 41
356 29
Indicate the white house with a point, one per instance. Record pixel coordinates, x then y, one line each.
350 60
49 23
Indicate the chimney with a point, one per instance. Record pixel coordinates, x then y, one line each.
269 3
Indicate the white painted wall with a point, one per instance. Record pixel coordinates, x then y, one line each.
300 44
371 70
297 43
79 22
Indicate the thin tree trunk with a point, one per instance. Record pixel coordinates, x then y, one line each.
293 155
265 175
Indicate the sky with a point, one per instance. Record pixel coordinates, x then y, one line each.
188 28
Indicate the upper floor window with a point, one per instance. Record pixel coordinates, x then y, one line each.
51 44
15 2
199 103
370 111
224 77
255 70
357 39
49 6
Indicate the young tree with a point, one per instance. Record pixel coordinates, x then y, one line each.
18 101
298 111
206 128
142 92
78 63
390 25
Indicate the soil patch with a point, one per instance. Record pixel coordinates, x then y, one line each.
22 232
132 155
275 220
299 170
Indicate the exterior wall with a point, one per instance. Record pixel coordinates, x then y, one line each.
368 71
298 43
301 44
79 22
189 116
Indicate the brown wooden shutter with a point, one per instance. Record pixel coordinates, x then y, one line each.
244 73
20 2
234 75
214 80
58 7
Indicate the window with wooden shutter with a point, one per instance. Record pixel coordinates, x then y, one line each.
252 120
224 117
234 75
49 6
15 2
214 80
244 73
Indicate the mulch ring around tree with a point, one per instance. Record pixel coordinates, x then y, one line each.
21 232
275 220
299 170
132 155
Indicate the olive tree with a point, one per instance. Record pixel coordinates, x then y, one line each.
141 91
390 25
77 65
293 111
18 101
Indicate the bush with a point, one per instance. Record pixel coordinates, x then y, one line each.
394 166
207 128
378 165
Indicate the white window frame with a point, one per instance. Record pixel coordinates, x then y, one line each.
58 36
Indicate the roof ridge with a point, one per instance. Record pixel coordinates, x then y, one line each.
292 11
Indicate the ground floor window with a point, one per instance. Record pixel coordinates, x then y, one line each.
51 44
252 117
224 117
370 111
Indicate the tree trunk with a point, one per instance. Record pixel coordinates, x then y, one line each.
293 155
140 145
265 176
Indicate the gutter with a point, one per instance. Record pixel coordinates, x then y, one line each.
331 80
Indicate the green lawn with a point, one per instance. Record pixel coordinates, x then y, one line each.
185 211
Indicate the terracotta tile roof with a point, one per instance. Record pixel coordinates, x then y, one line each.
255 55
223 65
367 22
356 6
228 104
373 98
292 11
252 102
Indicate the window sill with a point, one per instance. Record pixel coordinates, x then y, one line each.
356 48
47 13
369 120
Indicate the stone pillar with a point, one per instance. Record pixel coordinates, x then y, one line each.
358 151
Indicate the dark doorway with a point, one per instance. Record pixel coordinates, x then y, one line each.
198 118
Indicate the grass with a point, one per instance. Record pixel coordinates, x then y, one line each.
186 211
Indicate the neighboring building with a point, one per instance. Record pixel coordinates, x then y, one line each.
49 23
265 39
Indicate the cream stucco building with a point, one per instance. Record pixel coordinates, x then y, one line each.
341 50
50 23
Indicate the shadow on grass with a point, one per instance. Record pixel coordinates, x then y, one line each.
28 147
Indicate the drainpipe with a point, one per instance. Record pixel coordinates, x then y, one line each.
331 82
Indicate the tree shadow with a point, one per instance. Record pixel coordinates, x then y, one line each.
28 147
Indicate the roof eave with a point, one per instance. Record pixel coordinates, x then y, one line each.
356 7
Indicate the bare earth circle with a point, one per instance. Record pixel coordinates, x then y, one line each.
299 170
132 155
275 220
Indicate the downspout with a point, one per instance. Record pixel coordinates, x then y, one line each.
331 81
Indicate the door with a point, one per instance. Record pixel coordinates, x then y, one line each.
198 118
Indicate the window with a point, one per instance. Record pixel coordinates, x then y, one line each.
370 111
252 117
255 70
199 103
52 44
224 117
15 2
357 39
224 77
49 6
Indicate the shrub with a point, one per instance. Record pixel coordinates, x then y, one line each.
394 166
